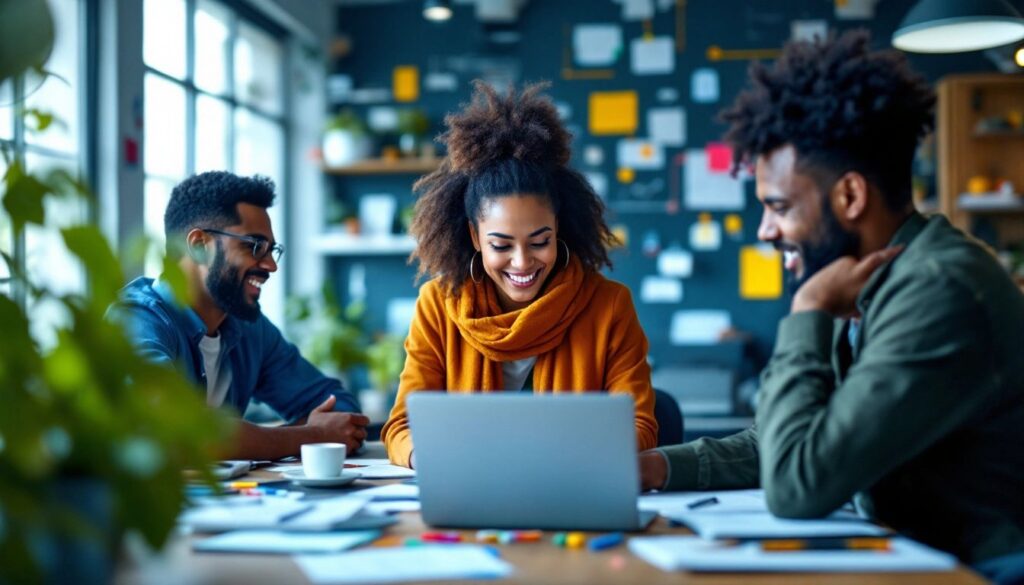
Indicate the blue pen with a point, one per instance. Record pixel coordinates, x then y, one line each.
612 539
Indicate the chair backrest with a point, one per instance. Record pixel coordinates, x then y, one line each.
669 417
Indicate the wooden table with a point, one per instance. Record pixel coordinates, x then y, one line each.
539 562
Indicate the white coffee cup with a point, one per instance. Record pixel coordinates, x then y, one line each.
323 460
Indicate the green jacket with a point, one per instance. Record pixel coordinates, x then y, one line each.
921 418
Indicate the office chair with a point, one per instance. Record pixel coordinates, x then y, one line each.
670 418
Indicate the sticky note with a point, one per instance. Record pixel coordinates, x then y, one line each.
667 126
719 157
625 175
704 85
706 235
760 273
655 56
705 189
613 112
405 82
675 262
596 45
733 224
640 154
661 289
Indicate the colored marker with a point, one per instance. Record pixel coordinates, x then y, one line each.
701 503
612 539
487 536
528 536
441 537
558 539
575 540
786 545
239 485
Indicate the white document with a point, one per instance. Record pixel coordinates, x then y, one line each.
392 506
698 327
652 57
275 514
643 155
704 85
660 289
675 262
713 525
667 126
379 469
276 542
596 45
729 501
707 190
676 553
637 9
390 565
394 491
706 235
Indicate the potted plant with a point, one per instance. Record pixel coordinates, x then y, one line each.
332 338
346 139
385 358
93 439
412 127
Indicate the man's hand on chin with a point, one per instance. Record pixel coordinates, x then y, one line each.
339 427
834 289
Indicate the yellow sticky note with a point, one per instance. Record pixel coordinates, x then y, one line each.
760 273
405 81
733 224
613 112
625 175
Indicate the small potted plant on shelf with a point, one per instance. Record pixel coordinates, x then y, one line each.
332 338
346 139
412 127
384 361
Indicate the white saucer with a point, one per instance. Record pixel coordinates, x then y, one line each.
297 476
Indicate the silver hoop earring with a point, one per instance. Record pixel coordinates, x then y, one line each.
566 252
472 261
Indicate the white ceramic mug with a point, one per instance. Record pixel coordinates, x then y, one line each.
323 460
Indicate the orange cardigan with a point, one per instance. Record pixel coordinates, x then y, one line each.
604 348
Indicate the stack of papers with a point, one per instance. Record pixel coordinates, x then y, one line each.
276 542
674 553
385 565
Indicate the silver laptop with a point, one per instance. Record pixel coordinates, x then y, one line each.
561 462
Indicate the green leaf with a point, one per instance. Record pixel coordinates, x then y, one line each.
43 119
24 198
89 245
174 276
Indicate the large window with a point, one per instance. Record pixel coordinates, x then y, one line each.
41 251
214 100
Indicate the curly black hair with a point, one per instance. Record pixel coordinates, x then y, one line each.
501 145
842 106
210 200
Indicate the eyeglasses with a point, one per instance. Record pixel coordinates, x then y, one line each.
260 246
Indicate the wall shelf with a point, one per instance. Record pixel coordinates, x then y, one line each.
379 166
990 203
346 244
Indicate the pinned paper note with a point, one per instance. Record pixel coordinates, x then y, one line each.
437 81
760 272
593 155
598 182
654 56
704 85
564 111
596 45
621 233
675 262
734 226
382 119
640 154
698 327
704 189
405 83
667 126
651 244
613 112
667 95
808 30
706 234
625 175
719 157
660 289
637 9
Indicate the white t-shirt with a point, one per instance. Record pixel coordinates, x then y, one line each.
218 375
515 373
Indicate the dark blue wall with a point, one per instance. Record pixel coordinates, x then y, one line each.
384 36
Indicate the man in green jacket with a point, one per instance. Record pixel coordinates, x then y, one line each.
897 379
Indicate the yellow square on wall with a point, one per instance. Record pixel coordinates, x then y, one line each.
613 112
405 83
760 273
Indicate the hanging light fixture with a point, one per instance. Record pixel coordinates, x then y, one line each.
953 26
437 10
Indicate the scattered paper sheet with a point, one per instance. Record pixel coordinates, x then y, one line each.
275 514
394 491
728 501
378 469
392 506
655 56
596 45
667 126
704 85
612 112
276 542
760 272
698 327
639 154
677 553
660 289
389 565
708 190
675 262
712 524
405 83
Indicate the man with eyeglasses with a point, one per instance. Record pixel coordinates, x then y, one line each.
219 231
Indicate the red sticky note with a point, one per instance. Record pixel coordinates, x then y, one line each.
719 157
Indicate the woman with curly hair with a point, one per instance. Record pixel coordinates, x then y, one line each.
514 240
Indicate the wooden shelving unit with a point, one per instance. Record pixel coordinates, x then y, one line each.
964 152
345 244
379 166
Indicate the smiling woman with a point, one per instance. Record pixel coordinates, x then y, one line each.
515 240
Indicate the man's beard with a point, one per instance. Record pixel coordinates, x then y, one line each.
833 243
228 289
